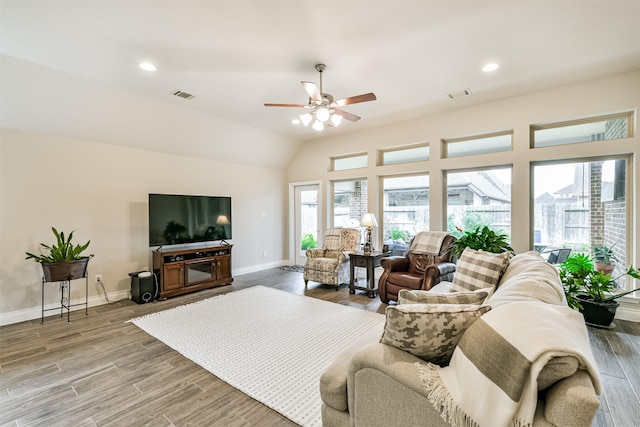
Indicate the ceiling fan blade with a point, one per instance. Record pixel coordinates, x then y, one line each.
346 115
355 99
286 105
312 90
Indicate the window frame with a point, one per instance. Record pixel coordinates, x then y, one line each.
628 115
332 160
479 137
382 152
628 159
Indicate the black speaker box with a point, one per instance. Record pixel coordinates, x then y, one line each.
143 289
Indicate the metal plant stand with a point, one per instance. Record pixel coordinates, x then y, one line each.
65 297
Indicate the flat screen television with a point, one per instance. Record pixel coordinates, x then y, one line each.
180 219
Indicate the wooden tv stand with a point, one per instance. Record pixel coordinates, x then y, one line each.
189 270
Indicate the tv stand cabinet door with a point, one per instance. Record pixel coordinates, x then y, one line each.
224 267
173 277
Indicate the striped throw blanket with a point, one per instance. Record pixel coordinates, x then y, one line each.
492 376
428 242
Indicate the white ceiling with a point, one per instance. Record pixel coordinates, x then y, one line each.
236 55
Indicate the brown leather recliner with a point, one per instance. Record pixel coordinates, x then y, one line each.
416 270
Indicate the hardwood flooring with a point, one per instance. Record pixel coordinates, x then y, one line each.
99 370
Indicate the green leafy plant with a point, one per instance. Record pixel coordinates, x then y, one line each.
396 234
579 277
308 242
470 221
481 238
62 250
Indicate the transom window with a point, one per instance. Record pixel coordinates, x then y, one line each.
478 144
392 156
612 126
354 161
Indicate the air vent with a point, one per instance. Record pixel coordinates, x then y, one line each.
182 94
465 92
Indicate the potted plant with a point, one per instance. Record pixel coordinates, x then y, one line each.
64 261
482 238
604 258
590 291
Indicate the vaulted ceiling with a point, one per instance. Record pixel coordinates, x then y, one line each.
234 56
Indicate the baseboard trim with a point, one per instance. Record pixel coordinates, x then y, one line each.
258 267
629 309
36 312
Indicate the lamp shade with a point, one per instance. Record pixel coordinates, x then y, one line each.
369 220
222 220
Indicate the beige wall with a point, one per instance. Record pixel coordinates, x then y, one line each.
101 191
584 99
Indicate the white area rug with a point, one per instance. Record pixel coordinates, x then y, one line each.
270 344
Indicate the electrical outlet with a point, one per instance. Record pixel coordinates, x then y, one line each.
98 278
264 254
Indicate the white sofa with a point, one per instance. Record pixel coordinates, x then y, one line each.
374 384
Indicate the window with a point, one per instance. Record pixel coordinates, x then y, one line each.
349 202
576 206
405 210
478 144
476 198
395 156
612 126
349 162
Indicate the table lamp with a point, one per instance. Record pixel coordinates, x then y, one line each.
222 221
369 221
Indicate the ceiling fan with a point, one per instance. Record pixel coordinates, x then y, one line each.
324 109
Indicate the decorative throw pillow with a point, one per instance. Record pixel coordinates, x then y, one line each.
429 331
406 296
477 269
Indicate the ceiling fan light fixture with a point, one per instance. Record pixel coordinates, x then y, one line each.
322 107
323 114
305 119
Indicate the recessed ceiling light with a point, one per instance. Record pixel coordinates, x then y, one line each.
147 66
295 121
490 67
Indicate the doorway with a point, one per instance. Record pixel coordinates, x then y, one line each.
306 220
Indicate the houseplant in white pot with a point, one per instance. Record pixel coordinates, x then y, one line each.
591 291
63 260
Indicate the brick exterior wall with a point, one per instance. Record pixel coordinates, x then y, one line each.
615 232
597 217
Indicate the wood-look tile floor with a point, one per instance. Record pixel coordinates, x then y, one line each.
99 370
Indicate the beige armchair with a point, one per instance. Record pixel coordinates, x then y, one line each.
330 265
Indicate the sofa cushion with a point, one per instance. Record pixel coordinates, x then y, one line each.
477 269
406 296
528 278
429 331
